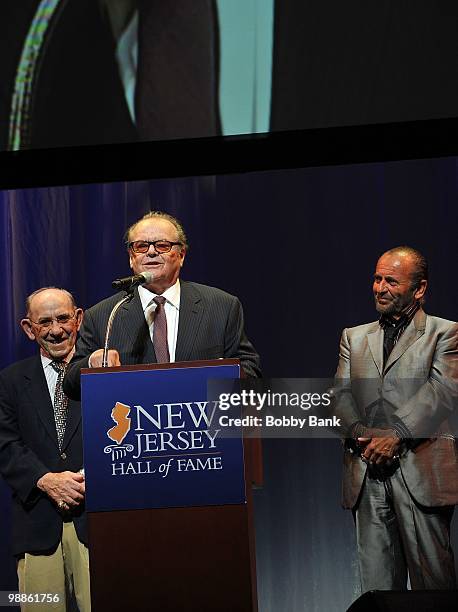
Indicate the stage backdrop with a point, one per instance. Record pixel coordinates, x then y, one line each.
299 248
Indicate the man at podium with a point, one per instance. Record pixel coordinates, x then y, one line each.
167 319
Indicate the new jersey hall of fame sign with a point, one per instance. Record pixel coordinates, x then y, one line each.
151 440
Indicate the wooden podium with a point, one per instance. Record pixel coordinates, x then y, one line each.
166 550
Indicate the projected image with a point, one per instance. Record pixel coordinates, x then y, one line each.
78 72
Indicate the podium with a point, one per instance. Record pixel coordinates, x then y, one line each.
168 499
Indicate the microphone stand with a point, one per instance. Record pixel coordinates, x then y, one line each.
116 307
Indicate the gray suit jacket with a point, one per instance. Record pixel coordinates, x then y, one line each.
210 326
418 386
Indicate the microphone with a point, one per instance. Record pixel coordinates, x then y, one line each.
130 282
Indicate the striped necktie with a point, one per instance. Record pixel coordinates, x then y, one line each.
60 401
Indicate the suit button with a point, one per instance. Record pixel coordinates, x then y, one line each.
63 456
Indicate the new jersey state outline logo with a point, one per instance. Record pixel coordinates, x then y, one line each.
117 433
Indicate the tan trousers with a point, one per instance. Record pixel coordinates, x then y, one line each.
67 565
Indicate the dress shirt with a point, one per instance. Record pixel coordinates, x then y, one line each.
127 58
172 313
51 374
394 328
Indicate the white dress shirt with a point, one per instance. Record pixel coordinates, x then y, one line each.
127 58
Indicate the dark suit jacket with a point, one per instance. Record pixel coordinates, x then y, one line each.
420 383
77 94
29 449
210 326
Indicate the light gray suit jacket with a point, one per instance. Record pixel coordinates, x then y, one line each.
419 385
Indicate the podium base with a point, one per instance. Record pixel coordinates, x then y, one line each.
172 559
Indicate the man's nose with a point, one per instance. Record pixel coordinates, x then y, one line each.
152 251
55 328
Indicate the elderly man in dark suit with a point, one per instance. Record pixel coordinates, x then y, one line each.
167 319
401 460
41 456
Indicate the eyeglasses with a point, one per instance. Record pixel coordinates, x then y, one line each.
61 320
160 246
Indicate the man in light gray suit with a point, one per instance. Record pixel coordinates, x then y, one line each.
167 319
398 385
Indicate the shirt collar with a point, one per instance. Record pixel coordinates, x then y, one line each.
172 295
46 361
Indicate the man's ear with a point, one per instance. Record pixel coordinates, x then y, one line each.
420 291
79 317
28 329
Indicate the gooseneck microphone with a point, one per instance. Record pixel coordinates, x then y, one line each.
127 284
130 282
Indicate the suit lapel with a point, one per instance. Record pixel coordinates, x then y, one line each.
191 310
415 330
39 397
133 323
375 341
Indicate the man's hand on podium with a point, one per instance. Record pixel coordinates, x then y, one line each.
95 360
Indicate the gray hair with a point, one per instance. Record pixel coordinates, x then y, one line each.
157 214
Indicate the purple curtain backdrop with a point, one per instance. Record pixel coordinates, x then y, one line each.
298 247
